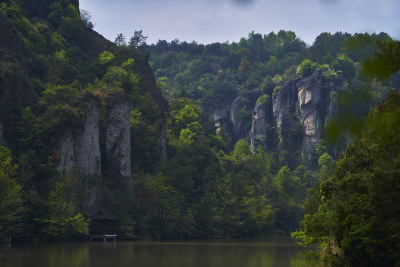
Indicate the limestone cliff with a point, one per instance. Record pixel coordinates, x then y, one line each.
240 115
258 132
309 96
81 151
290 120
306 101
118 142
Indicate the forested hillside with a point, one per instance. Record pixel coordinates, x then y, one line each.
301 106
274 91
225 140
73 106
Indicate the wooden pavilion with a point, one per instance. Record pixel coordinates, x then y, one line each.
103 225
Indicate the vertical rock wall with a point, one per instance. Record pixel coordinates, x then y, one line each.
118 137
308 101
309 96
258 131
284 105
298 111
88 158
81 151
240 126
67 153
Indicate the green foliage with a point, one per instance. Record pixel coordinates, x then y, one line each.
203 189
138 39
346 66
242 149
105 57
64 221
63 109
354 212
263 99
276 90
307 67
386 59
12 209
120 40
86 18
219 72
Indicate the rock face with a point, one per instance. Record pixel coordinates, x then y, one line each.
309 96
240 116
258 131
81 151
220 116
292 119
306 101
163 142
88 148
118 137
284 105
67 153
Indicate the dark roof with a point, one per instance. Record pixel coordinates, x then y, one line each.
103 215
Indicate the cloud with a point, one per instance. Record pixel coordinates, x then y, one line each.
329 1
244 2
218 20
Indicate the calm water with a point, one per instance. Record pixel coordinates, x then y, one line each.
166 254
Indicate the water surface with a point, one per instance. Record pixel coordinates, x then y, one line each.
151 254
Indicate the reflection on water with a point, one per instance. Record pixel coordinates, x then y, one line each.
166 254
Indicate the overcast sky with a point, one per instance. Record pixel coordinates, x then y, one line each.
207 21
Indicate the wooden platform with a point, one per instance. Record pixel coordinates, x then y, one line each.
103 237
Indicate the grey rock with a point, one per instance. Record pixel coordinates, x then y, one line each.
163 142
240 125
221 114
304 100
258 132
88 144
81 152
284 105
309 96
118 137
67 153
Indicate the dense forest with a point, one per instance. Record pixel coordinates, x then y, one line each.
266 136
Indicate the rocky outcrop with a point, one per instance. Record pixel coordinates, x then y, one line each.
292 119
220 117
67 153
88 158
118 137
306 101
284 105
80 151
240 116
258 131
309 96
220 114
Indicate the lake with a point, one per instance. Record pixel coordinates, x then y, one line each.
152 254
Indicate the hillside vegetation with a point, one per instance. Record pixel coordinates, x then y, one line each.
224 140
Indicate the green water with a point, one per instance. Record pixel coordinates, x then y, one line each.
166 254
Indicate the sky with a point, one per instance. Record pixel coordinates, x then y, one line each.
208 21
